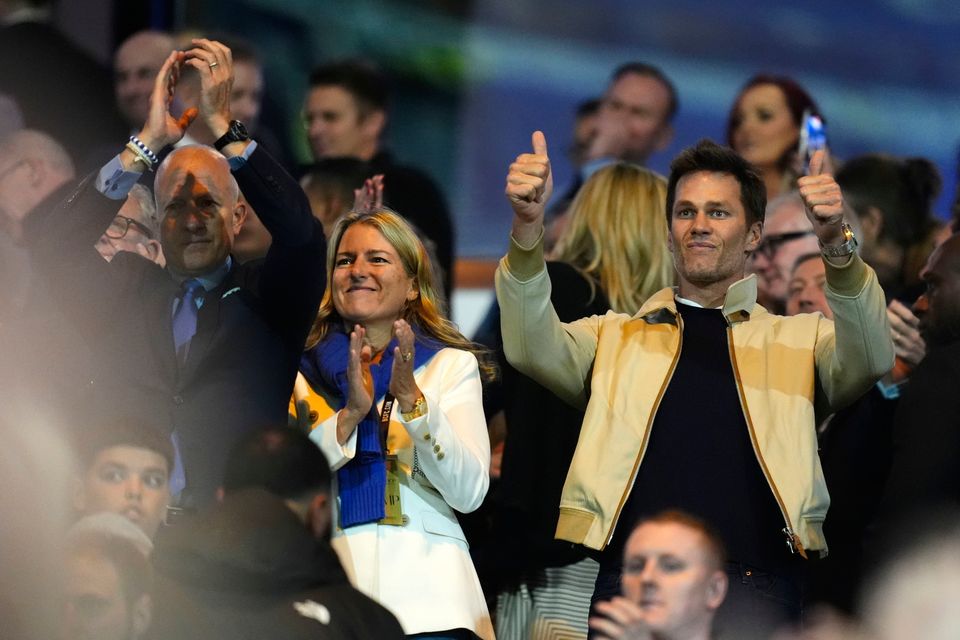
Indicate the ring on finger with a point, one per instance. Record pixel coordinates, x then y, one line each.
213 64
406 357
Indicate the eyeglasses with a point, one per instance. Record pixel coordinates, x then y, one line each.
121 225
769 246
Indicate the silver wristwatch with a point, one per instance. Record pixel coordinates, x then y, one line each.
845 248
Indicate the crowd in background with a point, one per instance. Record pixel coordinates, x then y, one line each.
233 404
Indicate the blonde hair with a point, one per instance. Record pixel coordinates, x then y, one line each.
426 312
617 235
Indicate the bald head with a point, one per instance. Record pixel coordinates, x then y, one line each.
135 67
32 166
201 214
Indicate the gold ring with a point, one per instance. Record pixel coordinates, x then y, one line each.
406 357
213 64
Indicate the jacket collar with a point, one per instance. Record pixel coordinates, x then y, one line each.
738 305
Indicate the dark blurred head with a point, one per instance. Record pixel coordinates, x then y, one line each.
106 588
939 306
282 460
893 199
764 122
329 184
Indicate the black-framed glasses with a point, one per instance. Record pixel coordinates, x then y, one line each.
769 246
121 225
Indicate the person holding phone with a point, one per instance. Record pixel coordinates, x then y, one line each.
764 127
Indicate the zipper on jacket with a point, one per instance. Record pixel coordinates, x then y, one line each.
646 433
793 540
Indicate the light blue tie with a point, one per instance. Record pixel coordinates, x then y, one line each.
184 328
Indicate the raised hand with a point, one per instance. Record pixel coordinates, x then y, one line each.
403 386
529 186
162 128
360 383
369 197
904 329
214 62
823 201
622 620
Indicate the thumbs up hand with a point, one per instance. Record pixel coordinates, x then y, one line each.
529 185
823 201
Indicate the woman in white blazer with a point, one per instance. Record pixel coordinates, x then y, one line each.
394 395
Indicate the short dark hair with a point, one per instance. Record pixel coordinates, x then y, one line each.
362 79
902 189
337 175
707 155
715 545
120 432
281 460
241 49
588 107
650 71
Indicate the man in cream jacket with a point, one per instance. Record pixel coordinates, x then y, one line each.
703 400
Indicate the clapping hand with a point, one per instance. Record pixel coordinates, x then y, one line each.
369 197
403 386
161 128
360 384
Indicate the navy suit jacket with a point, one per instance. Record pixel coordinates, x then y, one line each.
250 332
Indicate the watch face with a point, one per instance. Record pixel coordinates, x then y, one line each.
238 130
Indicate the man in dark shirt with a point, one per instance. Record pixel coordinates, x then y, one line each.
346 115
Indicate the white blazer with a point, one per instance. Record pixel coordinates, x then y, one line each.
422 571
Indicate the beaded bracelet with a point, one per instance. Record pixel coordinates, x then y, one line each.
141 156
150 156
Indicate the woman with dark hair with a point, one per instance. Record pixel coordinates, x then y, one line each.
764 128
893 199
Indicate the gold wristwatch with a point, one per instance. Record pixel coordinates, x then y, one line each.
419 409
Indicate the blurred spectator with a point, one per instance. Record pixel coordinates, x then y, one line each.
673 582
805 290
207 348
764 128
259 564
634 118
10 117
926 435
612 256
346 111
34 170
125 469
106 583
915 593
787 235
632 122
135 66
57 86
584 131
893 199
329 184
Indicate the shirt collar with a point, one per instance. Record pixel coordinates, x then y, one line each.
738 304
214 279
